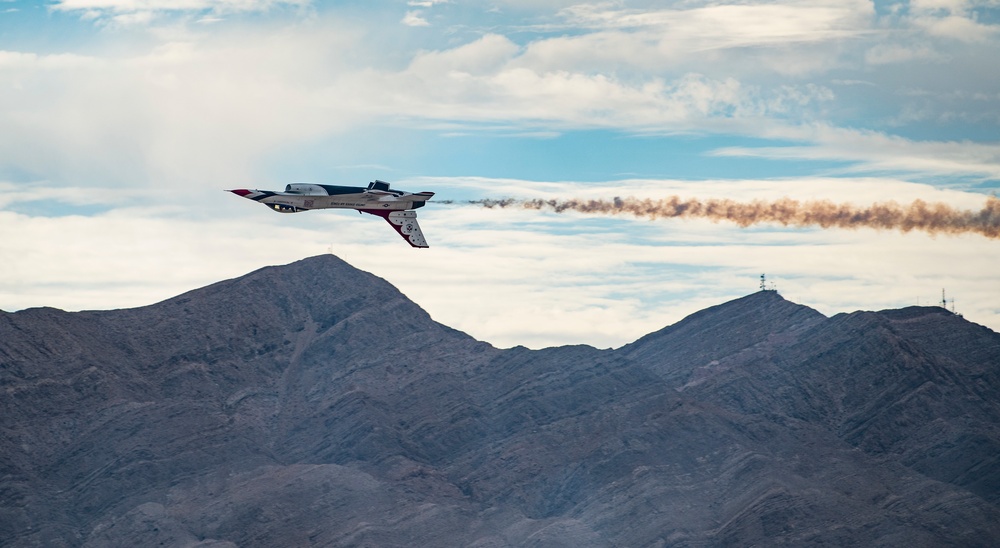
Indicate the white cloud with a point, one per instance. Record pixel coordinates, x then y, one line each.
873 150
742 39
142 13
191 111
883 54
11 193
136 6
487 81
414 19
484 56
512 277
955 20
959 28
733 25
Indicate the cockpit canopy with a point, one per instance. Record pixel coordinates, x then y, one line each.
378 185
305 189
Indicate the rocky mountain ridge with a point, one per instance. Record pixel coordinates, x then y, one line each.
313 404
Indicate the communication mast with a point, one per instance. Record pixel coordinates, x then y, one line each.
944 304
764 286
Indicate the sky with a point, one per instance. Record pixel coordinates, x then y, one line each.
122 121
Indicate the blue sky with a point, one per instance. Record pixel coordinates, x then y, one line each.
122 120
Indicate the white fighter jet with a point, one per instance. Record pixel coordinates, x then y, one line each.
394 206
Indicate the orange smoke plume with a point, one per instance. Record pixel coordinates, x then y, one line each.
933 218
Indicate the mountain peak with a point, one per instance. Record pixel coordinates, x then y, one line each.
721 330
323 289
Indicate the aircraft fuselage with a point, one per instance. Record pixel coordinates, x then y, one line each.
395 206
305 196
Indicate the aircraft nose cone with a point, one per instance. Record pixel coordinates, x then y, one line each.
239 191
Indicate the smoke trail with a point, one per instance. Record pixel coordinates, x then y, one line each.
933 218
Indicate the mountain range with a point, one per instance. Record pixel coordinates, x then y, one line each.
313 404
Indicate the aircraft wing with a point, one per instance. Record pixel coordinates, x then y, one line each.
404 222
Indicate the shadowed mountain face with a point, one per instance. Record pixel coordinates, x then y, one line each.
313 404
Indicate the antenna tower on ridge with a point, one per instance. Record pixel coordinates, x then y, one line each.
763 283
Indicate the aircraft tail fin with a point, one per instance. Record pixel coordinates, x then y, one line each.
405 223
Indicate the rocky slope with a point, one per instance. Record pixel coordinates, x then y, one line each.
313 404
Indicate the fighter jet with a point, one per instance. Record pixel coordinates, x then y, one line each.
394 206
